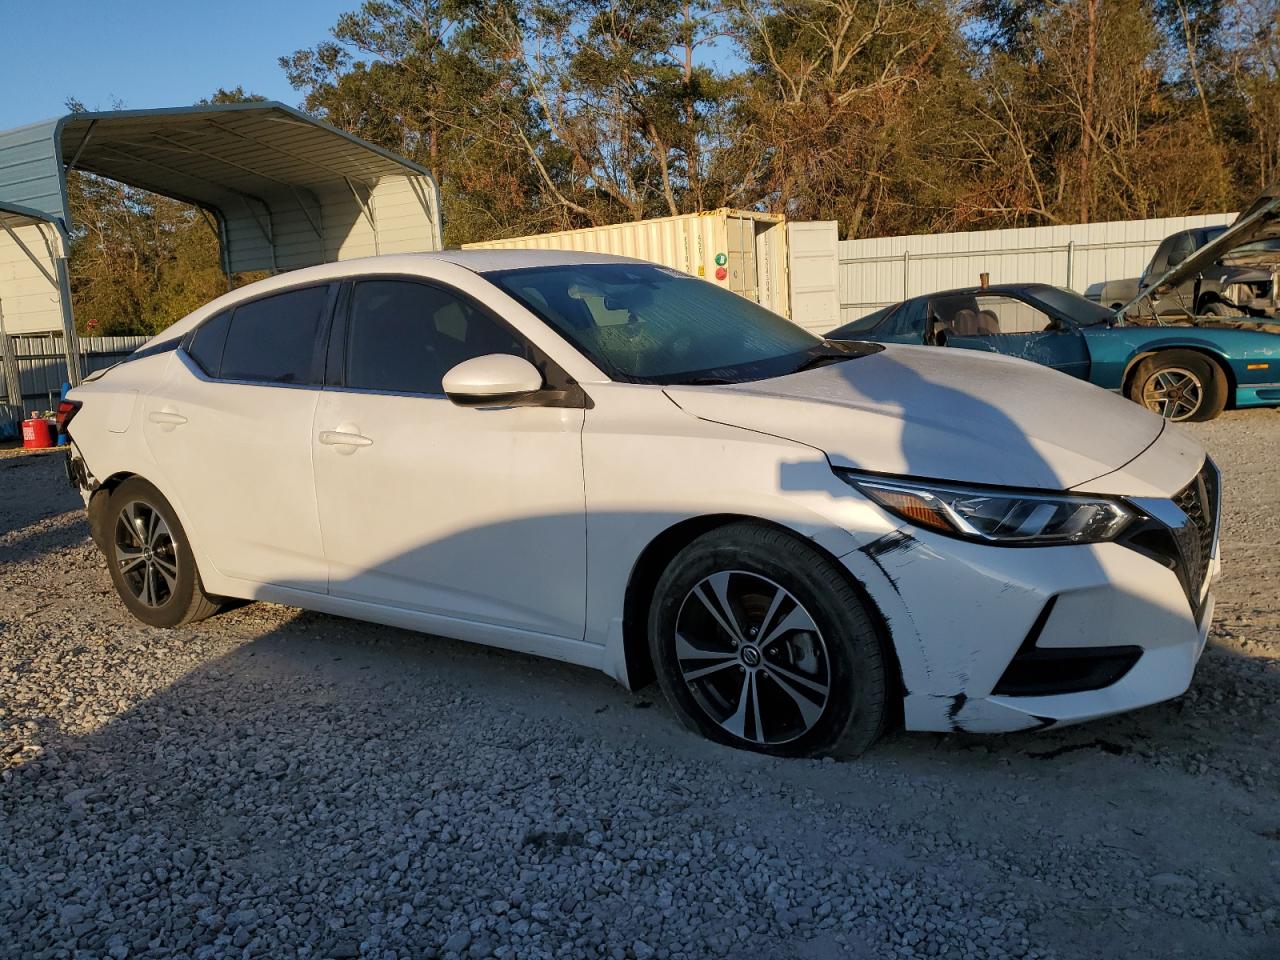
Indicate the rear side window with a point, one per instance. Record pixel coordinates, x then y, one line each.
206 346
404 336
274 339
905 321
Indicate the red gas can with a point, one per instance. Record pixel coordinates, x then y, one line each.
36 434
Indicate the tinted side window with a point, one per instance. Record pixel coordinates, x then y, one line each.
1184 244
1160 260
405 336
206 346
907 319
274 339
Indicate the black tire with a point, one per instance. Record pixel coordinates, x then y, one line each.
1180 385
842 652
1216 308
150 559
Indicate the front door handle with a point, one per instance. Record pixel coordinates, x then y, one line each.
168 418
346 438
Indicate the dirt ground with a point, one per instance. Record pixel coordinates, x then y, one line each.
266 739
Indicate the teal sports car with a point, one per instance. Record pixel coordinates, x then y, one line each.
1188 371
1183 368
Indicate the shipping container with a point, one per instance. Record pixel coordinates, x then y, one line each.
742 250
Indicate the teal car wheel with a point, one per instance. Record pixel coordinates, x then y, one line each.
1180 385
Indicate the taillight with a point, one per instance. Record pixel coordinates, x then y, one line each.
66 410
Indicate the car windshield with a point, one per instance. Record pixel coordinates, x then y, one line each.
1269 245
1082 311
643 323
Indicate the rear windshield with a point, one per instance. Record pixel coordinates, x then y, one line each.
1082 311
863 324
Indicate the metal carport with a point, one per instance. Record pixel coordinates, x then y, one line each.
284 191
33 278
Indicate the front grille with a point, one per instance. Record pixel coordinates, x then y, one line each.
1199 501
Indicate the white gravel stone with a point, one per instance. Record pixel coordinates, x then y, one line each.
272 783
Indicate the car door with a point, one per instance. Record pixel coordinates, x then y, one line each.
1004 323
230 428
473 514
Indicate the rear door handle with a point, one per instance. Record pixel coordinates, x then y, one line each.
346 438
167 418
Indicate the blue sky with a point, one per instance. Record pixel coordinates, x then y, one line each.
148 53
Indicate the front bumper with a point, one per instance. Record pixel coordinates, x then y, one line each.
960 613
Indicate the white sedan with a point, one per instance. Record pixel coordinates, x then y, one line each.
615 464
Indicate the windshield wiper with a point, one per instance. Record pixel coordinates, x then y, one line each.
822 360
706 382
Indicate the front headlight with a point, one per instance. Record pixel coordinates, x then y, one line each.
998 516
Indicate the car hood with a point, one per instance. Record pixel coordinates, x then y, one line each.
1260 221
942 414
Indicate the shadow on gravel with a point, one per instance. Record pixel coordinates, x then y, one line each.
331 788
39 513
66 530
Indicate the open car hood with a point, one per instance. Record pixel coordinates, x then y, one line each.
1260 221
943 414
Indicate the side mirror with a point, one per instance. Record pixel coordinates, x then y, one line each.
494 378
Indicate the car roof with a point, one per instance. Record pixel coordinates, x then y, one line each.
991 288
486 260
478 262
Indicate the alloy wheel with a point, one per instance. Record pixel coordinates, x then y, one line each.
146 554
753 657
1173 392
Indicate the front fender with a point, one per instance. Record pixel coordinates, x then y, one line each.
1115 352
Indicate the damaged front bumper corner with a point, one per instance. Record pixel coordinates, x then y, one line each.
1108 628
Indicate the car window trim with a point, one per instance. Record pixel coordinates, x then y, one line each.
1062 324
194 367
315 376
571 395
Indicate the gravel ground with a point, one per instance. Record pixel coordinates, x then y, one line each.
272 783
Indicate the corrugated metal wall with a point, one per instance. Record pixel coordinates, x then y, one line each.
881 271
29 300
42 371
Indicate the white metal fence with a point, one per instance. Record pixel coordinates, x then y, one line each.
877 272
40 367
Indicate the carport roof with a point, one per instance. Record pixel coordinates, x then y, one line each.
240 161
16 215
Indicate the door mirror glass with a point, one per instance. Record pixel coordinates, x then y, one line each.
491 378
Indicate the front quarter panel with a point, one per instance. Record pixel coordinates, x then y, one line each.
650 465
1114 351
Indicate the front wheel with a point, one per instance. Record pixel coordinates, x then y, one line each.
150 560
1217 308
762 643
1180 385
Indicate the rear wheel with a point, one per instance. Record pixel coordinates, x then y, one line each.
761 642
150 559
1180 385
